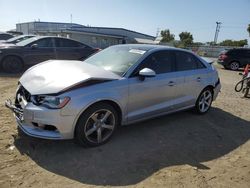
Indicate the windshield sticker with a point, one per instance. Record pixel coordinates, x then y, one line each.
137 51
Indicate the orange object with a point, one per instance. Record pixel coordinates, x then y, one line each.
246 70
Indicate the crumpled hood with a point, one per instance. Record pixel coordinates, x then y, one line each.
54 76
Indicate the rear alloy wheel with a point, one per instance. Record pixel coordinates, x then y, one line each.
96 126
12 64
204 101
234 65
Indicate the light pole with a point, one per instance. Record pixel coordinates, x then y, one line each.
217 30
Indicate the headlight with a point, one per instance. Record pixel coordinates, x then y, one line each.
1 52
53 102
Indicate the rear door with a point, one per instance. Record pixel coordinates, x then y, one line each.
71 50
195 74
245 57
154 95
44 50
248 56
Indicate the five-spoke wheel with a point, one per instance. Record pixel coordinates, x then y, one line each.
204 101
96 125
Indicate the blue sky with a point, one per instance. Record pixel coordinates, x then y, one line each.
195 16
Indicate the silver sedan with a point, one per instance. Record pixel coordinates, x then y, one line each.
120 85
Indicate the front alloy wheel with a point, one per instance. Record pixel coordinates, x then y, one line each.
96 125
204 101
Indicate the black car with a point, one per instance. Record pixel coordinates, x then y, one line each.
15 40
13 57
5 36
235 58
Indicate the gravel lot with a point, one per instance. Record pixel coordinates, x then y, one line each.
178 150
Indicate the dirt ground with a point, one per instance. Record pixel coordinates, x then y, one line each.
178 150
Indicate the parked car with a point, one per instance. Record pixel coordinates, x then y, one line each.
15 40
34 50
234 58
122 84
5 36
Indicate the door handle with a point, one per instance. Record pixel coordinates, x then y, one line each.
171 83
198 79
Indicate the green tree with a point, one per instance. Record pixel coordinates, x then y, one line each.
186 38
166 36
239 43
248 29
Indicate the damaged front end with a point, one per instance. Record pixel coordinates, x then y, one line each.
33 119
21 99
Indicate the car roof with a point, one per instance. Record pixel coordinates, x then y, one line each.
149 47
239 49
41 37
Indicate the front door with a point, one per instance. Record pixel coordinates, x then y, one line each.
154 95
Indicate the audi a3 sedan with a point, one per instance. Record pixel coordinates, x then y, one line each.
13 57
120 85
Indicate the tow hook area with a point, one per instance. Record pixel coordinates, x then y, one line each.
18 111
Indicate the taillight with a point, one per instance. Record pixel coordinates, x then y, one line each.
97 49
222 56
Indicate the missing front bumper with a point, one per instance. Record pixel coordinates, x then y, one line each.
29 129
17 111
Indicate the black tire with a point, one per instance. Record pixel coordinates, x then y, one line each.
84 125
234 65
225 67
198 104
12 64
246 92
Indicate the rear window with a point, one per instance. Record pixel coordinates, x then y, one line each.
187 61
237 52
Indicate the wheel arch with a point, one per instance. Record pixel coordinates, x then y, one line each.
211 87
11 55
235 61
113 103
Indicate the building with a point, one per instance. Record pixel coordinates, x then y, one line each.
100 37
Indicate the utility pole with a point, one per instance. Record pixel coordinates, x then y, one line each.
218 24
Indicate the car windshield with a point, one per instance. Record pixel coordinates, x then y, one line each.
26 42
18 38
14 38
117 59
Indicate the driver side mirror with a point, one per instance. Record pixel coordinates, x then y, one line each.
146 72
33 46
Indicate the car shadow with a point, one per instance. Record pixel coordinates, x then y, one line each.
137 151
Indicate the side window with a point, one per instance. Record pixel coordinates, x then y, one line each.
187 61
68 43
44 43
199 64
161 62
